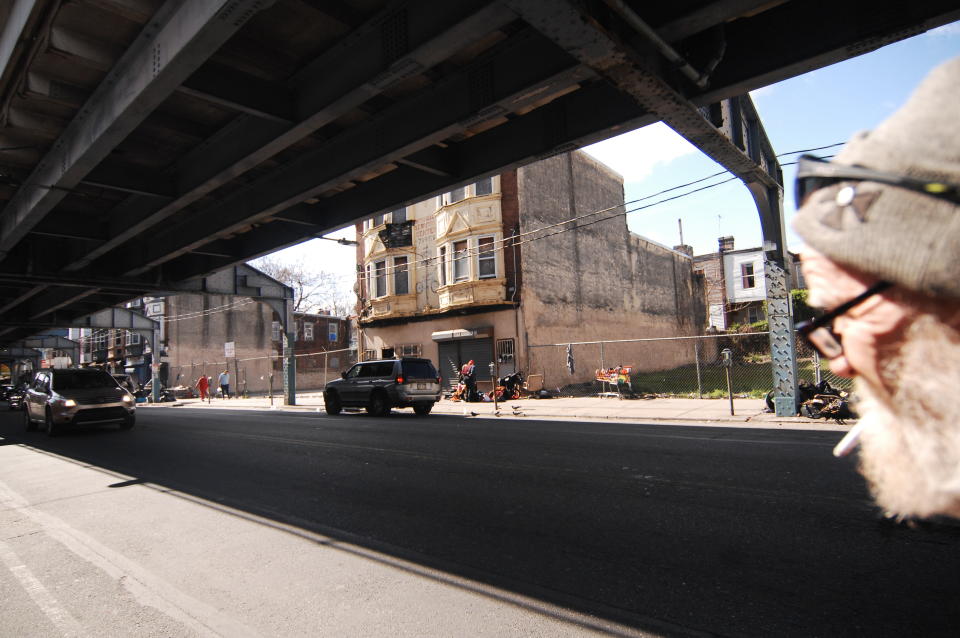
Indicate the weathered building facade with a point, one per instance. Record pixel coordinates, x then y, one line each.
505 267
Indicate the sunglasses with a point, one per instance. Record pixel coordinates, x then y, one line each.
818 332
814 173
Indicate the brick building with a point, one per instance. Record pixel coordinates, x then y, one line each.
495 269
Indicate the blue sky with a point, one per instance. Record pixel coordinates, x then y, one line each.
815 109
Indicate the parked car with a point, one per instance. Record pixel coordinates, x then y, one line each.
4 391
379 386
77 396
15 397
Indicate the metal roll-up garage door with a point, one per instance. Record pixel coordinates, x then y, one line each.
453 354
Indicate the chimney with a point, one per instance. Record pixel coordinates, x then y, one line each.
726 244
686 249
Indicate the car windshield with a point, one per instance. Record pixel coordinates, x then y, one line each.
81 380
419 370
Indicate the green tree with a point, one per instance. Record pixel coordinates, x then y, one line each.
801 310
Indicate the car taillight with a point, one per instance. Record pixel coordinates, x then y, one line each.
399 379
438 380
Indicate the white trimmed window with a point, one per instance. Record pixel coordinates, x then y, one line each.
483 187
442 265
380 278
401 276
746 275
455 196
308 332
461 265
486 258
333 332
408 350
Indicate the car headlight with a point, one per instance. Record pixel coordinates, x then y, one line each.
70 403
127 398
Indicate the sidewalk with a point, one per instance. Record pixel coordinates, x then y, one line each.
747 412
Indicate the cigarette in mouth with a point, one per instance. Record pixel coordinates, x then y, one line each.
848 442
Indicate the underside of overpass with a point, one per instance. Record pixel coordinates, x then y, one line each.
144 143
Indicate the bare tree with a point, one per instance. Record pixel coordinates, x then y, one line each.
313 290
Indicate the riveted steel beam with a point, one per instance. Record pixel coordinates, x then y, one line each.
334 84
451 107
180 37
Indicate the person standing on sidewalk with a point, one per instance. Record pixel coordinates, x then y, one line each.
881 224
203 386
224 383
469 374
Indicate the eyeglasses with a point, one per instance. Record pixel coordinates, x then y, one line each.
818 331
814 173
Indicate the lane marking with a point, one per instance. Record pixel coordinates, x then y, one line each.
48 604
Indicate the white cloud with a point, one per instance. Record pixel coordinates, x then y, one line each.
635 154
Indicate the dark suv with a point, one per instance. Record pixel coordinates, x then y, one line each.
381 385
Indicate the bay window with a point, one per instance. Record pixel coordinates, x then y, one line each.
380 278
401 278
461 266
486 258
442 258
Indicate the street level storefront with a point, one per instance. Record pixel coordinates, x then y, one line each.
451 342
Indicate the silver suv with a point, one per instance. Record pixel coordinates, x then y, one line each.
379 386
76 396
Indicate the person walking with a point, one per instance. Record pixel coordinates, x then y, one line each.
224 383
203 386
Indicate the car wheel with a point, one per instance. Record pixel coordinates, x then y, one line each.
50 427
28 422
128 422
423 409
331 403
378 405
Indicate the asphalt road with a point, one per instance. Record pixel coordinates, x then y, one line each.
670 530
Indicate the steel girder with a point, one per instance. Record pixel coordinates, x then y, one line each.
729 132
179 39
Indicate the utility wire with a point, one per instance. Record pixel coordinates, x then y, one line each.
519 239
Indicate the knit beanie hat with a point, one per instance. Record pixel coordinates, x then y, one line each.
896 234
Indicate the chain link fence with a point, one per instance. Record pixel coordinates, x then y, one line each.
682 367
264 375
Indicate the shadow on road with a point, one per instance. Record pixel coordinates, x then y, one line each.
668 529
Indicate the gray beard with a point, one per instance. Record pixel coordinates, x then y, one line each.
910 444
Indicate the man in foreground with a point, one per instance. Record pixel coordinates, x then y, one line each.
881 224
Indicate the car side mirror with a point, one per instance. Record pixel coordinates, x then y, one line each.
343 375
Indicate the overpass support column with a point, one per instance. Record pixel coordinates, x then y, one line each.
289 366
783 352
289 353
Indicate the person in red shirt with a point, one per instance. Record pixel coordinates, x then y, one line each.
203 386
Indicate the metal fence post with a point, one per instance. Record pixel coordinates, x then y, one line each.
816 367
696 355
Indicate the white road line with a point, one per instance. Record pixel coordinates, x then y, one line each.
49 605
146 587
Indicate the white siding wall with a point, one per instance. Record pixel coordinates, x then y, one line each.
735 290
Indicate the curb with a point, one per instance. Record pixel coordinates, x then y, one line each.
754 420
